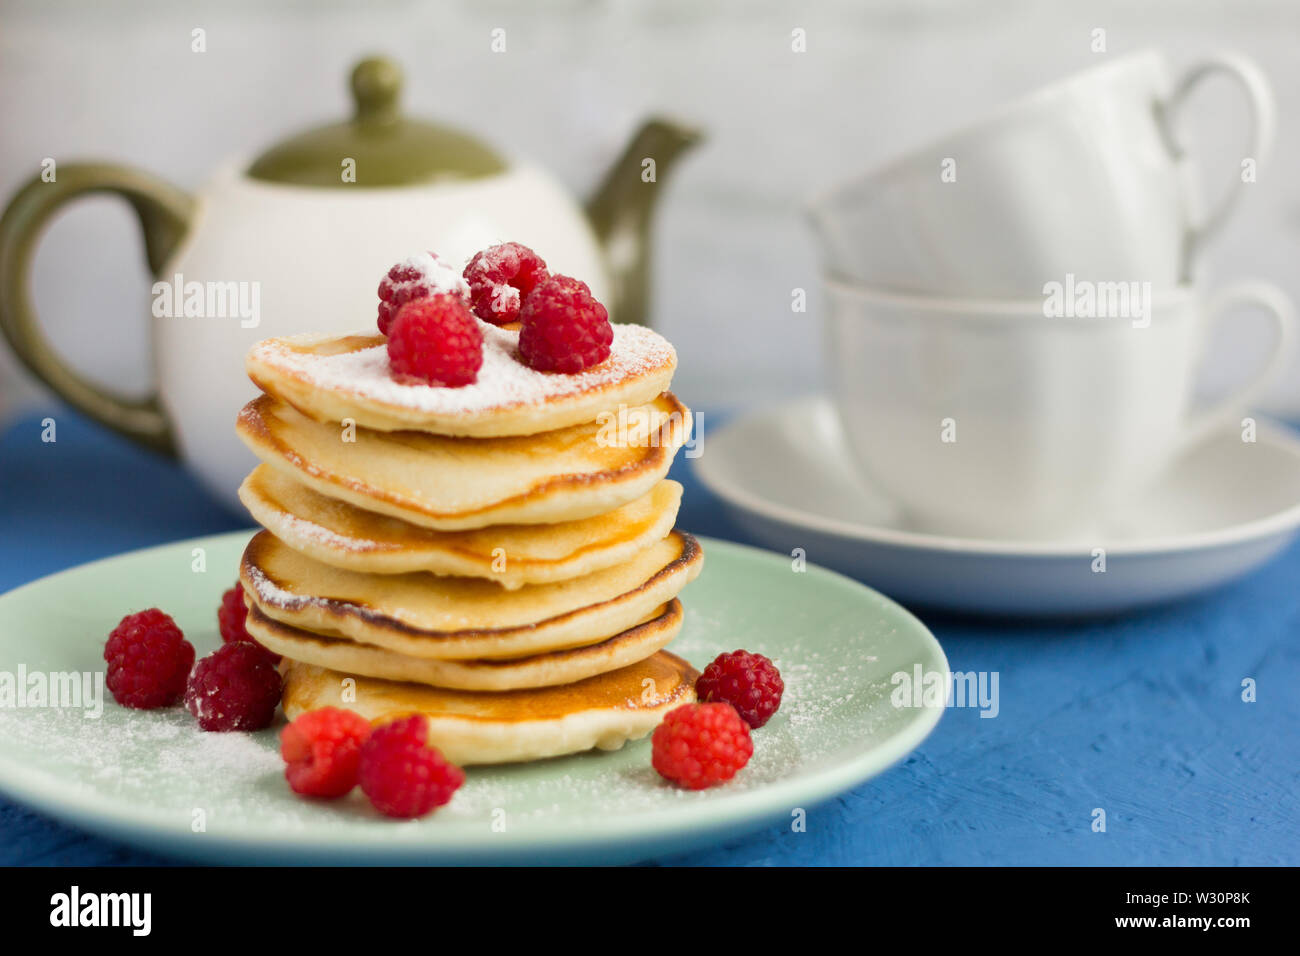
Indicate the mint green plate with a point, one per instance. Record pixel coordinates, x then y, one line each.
154 779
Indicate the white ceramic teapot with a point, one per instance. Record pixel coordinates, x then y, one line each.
298 239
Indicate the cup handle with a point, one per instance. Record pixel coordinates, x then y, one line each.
1263 110
165 213
1277 304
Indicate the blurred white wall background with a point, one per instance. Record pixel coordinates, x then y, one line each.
117 80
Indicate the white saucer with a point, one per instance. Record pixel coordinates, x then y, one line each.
1227 507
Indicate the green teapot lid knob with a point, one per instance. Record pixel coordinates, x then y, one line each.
377 88
379 144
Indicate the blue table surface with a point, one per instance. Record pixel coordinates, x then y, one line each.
1140 715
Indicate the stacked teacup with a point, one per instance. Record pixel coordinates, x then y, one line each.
1014 329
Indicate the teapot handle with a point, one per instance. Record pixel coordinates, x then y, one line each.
165 213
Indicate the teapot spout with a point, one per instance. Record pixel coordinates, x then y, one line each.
621 211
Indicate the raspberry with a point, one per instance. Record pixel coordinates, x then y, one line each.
698 745
236 687
500 278
402 776
748 682
564 329
322 751
231 616
418 277
148 660
435 341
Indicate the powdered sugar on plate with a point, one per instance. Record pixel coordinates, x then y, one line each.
503 381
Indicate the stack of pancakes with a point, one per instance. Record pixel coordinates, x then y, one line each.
500 557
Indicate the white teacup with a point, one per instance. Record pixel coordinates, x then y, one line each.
990 419
1085 176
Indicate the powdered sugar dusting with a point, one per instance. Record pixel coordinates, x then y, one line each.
434 274
268 592
505 299
302 530
208 778
503 381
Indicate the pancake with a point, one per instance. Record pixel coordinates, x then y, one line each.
331 378
476 728
538 670
342 535
447 618
453 484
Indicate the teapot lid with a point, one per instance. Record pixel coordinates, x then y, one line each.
378 146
